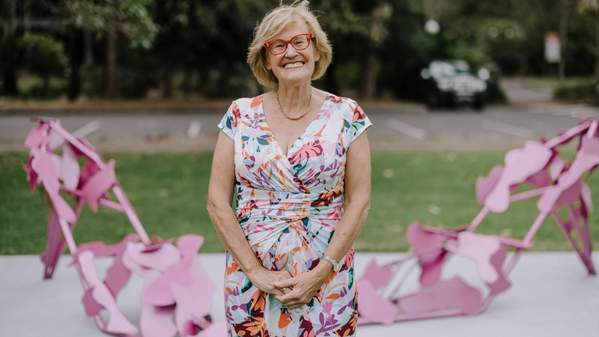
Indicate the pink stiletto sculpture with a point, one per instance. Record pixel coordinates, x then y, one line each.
177 292
544 174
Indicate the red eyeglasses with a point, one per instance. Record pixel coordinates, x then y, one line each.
279 46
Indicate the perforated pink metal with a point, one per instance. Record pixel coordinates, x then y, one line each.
177 292
538 170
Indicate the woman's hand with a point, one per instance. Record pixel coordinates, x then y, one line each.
265 280
304 286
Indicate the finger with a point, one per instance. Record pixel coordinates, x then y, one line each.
290 282
294 305
285 298
292 296
276 292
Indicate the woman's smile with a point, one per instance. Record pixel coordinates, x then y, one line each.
293 65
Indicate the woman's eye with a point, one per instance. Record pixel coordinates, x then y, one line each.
299 43
278 45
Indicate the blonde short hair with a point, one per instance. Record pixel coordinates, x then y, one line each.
274 23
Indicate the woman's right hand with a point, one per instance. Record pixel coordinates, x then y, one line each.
265 279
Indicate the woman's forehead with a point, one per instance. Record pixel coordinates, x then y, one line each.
293 28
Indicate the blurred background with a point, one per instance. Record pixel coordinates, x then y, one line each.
132 49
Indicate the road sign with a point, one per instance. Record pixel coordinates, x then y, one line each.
552 47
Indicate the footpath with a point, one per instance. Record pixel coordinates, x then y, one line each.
551 296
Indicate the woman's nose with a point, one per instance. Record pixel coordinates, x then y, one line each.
290 52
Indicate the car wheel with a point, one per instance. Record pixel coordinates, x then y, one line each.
478 105
433 101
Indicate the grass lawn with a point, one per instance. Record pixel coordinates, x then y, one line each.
169 193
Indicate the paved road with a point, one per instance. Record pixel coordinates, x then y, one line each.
551 296
396 127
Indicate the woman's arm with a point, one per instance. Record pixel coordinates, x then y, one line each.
220 194
356 206
357 199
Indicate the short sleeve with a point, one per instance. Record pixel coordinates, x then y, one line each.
228 124
356 122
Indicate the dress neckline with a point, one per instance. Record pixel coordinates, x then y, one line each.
315 118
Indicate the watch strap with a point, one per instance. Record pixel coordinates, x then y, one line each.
336 264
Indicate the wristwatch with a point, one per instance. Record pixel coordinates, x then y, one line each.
336 264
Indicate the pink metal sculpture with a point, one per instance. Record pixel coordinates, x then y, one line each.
537 168
177 291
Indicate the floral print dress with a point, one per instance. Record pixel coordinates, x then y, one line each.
288 206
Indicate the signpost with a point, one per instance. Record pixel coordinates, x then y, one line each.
552 47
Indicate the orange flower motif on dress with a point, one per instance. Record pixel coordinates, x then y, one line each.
284 320
236 115
256 101
358 113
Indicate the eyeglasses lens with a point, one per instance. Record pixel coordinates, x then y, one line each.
299 42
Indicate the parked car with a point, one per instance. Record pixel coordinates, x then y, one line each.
452 82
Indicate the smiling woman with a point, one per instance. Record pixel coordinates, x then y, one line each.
298 161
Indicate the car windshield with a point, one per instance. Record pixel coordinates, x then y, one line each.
443 69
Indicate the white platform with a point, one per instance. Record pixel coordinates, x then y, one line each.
552 295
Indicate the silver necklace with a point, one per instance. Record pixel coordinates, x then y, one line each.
294 118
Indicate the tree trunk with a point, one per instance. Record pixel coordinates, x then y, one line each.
75 60
10 59
597 46
110 66
9 80
331 82
369 75
166 86
563 36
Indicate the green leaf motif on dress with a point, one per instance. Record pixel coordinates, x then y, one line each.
262 140
247 285
346 124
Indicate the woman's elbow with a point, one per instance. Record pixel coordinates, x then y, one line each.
214 206
365 208
361 203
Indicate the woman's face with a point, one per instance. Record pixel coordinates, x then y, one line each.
293 66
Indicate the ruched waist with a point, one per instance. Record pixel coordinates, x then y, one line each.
265 214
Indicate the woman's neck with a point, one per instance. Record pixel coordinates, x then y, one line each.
294 99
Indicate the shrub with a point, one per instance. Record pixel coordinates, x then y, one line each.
43 56
585 90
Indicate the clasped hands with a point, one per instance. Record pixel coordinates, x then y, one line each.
291 291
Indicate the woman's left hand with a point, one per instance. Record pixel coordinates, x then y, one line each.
304 286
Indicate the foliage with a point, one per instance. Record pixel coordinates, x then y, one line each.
43 55
132 17
582 90
198 48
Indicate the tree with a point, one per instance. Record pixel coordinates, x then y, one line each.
591 7
44 56
108 18
8 48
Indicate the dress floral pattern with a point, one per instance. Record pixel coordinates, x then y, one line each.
288 206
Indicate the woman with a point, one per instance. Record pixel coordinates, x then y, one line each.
302 191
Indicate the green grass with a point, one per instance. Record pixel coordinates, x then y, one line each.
169 193
553 82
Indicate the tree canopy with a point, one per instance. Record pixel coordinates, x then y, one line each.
135 48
